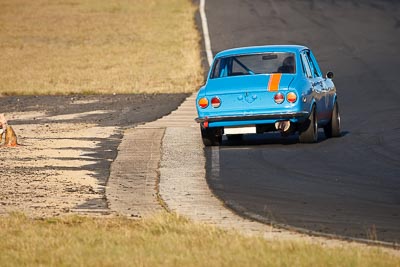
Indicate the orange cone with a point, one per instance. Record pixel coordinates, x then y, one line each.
11 137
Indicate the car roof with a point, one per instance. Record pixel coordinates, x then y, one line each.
261 49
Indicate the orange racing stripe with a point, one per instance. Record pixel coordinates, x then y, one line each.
274 80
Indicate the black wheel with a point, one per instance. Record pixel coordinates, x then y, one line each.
332 129
310 132
211 136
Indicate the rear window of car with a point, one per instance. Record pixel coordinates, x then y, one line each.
264 63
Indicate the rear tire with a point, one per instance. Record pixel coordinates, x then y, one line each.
211 136
333 127
310 134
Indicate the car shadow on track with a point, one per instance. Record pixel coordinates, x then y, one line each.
272 139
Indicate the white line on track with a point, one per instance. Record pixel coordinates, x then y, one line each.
206 33
214 162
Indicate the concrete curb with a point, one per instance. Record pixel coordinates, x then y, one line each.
131 188
183 186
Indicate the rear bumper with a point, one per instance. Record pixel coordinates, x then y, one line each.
271 116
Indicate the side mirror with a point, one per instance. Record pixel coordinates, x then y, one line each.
329 75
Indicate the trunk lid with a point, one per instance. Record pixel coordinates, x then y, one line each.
247 95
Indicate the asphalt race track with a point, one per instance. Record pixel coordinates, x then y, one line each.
347 186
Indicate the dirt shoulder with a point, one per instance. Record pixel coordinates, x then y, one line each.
67 144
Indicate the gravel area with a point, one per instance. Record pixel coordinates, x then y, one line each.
66 146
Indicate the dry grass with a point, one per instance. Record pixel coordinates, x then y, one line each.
98 46
165 240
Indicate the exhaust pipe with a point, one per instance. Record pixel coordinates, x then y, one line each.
282 126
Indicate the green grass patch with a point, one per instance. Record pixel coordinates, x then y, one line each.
97 46
164 240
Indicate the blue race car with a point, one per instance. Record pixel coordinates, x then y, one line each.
267 88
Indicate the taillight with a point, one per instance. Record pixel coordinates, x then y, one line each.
279 98
203 102
215 102
291 97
